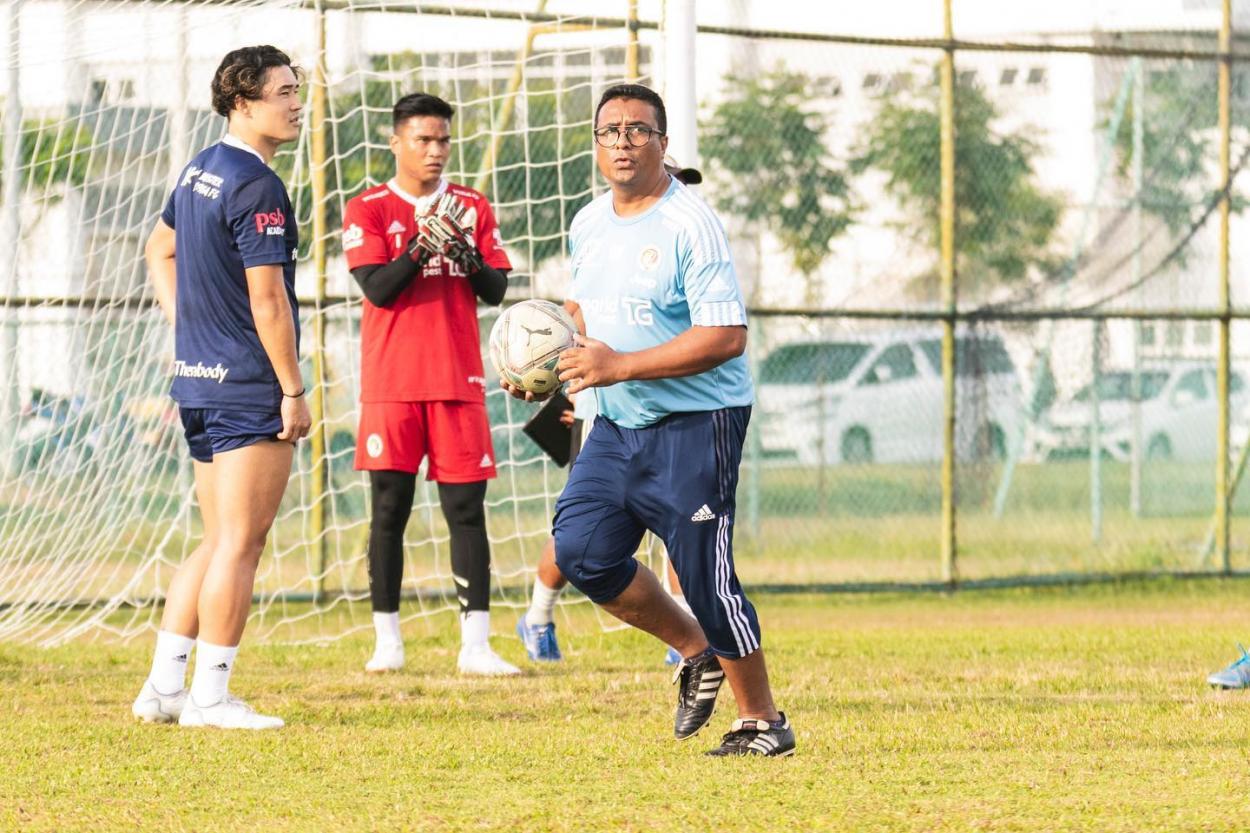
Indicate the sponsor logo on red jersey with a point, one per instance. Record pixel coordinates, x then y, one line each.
353 237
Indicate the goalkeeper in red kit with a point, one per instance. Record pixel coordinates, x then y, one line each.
423 251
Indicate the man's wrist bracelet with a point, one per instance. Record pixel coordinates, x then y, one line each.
296 395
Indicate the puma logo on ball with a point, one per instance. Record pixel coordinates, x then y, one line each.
529 334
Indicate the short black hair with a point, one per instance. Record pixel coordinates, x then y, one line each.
242 73
639 92
419 104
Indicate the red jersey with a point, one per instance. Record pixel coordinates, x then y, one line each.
425 345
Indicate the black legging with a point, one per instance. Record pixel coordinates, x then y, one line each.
464 509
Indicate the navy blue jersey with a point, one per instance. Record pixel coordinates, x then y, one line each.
229 212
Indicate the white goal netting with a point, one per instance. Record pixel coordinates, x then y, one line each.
103 102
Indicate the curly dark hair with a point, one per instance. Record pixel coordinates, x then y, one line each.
242 73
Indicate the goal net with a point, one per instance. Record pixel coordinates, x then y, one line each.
103 103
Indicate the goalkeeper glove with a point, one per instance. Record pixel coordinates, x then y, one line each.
440 232
416 252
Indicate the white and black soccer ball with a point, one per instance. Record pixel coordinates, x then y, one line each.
526 342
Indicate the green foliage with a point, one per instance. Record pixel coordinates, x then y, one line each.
1180 113
1004 710
54 152
1004 222
768 146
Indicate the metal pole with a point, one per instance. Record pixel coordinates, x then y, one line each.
1095 436
179 124
1222 369
631 48
11 221
320 486
679 84
947 219
1135 472
754 449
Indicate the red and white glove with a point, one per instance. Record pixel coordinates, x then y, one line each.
440 231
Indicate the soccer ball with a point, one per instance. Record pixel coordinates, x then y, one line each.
526 342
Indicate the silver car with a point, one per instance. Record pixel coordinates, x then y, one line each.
1179 414
879 399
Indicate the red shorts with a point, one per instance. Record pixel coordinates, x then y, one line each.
395 436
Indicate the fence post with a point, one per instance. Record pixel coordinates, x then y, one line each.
1222 369
631 46
1135 461
949 554
319 488
680 96
1095 434
754 449
10 230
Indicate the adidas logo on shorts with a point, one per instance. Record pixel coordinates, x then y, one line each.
486 461
704 514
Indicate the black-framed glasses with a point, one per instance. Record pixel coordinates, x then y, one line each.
636 135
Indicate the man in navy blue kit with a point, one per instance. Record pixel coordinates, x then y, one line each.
222 265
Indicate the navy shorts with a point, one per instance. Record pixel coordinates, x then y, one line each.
676 478
211 431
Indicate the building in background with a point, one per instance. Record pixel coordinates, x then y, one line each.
120 91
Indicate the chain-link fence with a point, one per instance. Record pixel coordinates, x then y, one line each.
1091 293
970 257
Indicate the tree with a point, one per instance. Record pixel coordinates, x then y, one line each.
1179 138
768 148
1004 219
55 152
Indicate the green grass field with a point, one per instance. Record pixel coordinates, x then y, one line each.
795 526
1031 709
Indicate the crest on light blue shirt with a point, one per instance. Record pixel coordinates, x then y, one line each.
649 258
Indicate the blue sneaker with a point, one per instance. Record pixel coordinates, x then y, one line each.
672 657
539 640
1236 675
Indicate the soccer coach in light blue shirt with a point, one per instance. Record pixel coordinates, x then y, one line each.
656 297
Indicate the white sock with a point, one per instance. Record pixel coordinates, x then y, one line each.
386 629
474 628
213 664
542 605
169 662
682 603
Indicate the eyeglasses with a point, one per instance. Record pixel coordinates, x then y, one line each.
636 135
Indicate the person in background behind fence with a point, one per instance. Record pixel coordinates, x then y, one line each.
222 264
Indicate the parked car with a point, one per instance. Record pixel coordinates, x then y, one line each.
880 399
1178 406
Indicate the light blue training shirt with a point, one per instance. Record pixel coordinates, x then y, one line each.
641 281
